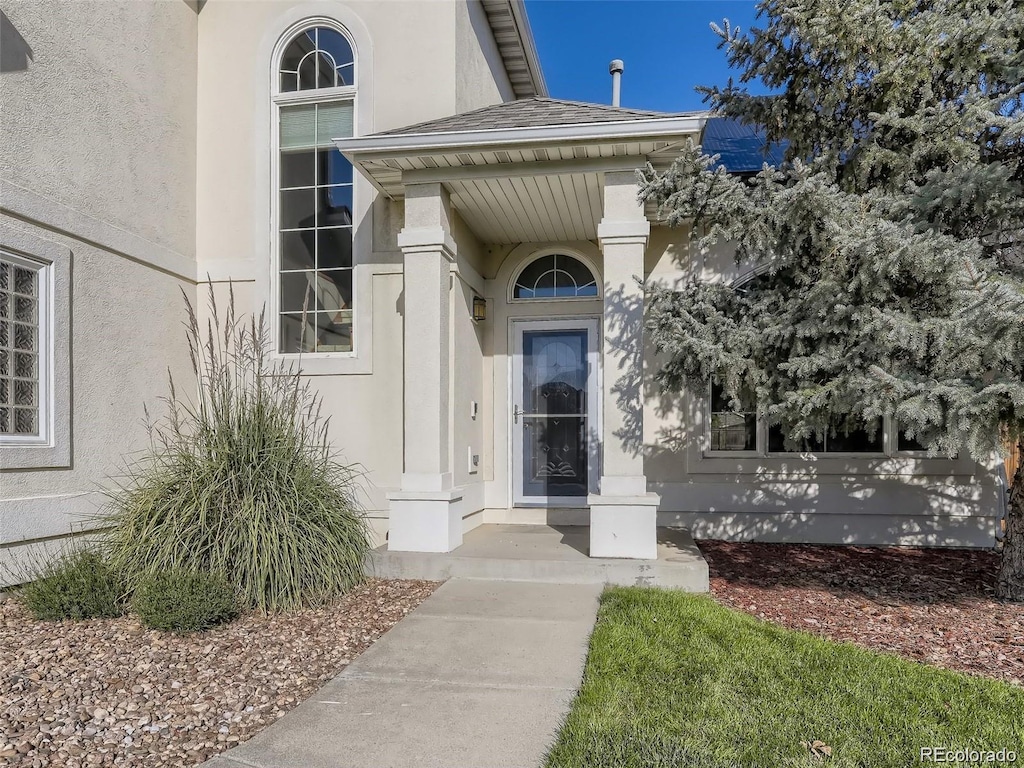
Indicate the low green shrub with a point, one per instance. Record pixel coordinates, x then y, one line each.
184 601
79 585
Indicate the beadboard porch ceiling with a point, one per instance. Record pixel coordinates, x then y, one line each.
527 184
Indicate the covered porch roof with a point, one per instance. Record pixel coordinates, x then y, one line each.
527 170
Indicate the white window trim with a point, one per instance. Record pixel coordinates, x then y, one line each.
277 35
44 349
797 465
889 461
52 446
890 444
344 93
557 251
762 425
759 438
890 438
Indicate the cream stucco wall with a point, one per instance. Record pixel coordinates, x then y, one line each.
481 78
138 139
102 121
468 353
97 163
406 73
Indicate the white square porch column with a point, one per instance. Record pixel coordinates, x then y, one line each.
623 515
423 515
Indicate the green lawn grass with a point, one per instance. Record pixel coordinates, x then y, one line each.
678 680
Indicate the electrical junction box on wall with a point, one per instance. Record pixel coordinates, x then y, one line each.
474 461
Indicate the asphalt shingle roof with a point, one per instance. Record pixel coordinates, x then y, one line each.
529 113
742 148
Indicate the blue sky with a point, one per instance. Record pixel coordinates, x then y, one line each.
666 45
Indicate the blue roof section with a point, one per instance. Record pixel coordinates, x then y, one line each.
742 147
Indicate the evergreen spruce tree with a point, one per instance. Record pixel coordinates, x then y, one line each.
889 246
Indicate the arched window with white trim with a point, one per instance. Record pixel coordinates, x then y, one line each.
314 104
555 276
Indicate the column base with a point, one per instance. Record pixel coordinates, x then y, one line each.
424 521
624 526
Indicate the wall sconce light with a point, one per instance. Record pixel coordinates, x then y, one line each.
479 309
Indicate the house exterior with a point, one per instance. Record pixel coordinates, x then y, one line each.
466 250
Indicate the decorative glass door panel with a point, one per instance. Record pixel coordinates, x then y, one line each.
553 423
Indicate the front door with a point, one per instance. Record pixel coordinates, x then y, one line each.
554 411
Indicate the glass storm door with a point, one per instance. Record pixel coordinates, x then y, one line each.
554 425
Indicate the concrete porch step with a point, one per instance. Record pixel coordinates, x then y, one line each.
550 554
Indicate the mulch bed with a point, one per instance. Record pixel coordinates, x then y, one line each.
110 692
935 606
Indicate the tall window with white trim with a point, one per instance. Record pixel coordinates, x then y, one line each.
23 348
314 221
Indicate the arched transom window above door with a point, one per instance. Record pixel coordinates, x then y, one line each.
555 276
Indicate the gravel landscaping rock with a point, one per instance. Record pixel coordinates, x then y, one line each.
935 606
111 692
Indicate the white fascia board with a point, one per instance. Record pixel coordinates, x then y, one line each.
518 8
627 130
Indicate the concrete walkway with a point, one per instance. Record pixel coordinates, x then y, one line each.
547 553
479 676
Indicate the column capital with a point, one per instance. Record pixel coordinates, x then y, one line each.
427 240
629 232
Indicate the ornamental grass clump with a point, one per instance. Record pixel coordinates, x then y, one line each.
241 480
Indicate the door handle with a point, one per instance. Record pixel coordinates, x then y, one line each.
516 413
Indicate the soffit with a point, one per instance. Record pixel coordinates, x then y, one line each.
533 184
523 195
511 29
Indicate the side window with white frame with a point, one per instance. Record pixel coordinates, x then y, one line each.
314 103
907 444
856 438
745 429
735 430
24 349
730 429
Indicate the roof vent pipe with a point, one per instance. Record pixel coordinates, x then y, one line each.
615 68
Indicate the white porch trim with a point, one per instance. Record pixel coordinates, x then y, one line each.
367 147
577 184
623 515
424 514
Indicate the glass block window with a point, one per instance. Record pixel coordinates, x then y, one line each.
21 333
731 430
555 276
315 196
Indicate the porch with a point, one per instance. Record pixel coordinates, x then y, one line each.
547 554
522 243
